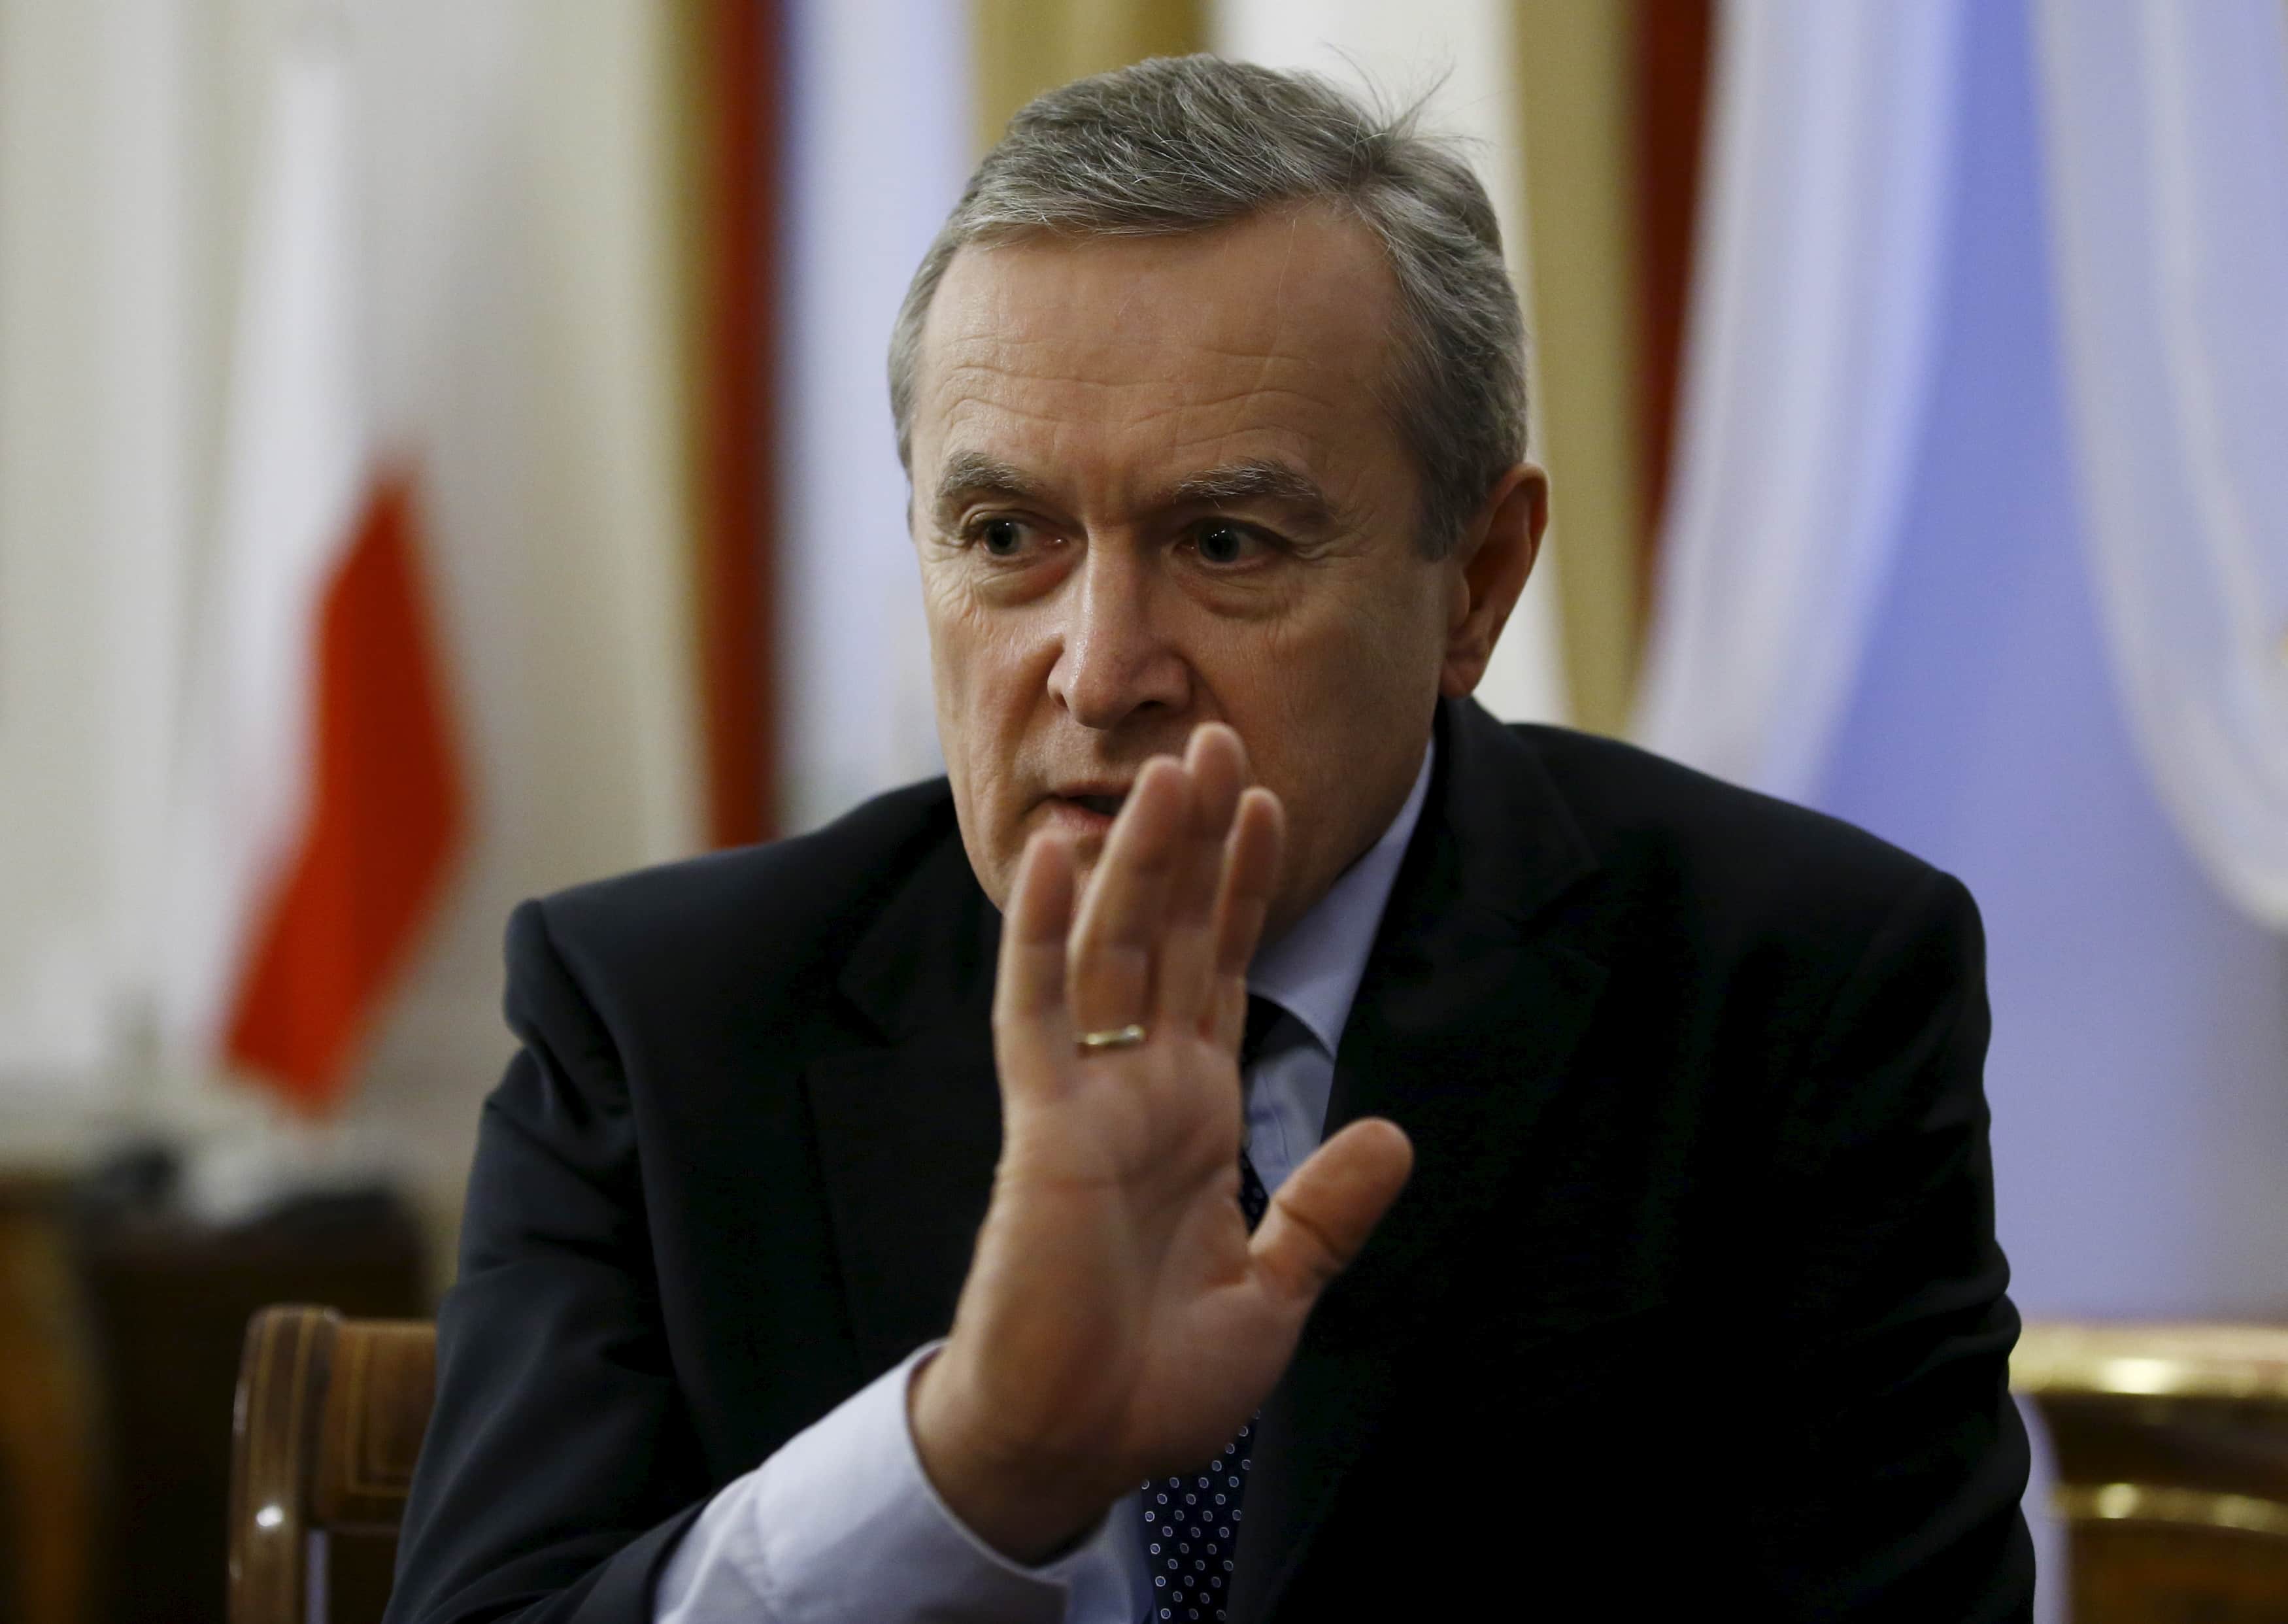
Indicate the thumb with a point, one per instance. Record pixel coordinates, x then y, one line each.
1325 1210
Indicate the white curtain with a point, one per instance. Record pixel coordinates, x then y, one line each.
1806 375
97 346
1468 49
879 130
2168 126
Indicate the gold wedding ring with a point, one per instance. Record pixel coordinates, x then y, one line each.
1115 1037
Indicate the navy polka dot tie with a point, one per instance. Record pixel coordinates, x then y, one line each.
1191 1522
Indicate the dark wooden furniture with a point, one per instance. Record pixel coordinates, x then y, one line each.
49 1440
2172 1446
166 1298
327 1424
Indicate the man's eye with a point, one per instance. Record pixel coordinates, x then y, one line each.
1002 537
1222 544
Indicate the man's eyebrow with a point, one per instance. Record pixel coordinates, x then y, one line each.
1256 480
969 474
972 474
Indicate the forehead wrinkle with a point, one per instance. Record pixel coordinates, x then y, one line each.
1274 410
1286 425
1213 372
1266 354
1000 341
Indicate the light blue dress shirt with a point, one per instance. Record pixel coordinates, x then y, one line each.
842 1527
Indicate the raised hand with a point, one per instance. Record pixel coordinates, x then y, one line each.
1118 1321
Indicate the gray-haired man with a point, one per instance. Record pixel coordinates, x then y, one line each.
1260 1138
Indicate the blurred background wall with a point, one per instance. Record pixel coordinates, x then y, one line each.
444 455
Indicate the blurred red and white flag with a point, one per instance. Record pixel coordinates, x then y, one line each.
320 805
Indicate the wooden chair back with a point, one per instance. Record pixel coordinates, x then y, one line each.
327 1424
2172 1447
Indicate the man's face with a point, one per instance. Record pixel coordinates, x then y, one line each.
1155 486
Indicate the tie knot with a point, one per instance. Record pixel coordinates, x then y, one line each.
1262 1017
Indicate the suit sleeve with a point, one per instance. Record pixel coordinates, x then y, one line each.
559 1467
1893 1489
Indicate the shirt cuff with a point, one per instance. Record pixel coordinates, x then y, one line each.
842 1526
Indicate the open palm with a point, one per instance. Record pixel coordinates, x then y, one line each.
1118 1321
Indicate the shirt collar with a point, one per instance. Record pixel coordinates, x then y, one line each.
1313 972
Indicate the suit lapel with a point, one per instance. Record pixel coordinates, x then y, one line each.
1469 1011
908 1124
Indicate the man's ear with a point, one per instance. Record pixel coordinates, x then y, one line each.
1488 570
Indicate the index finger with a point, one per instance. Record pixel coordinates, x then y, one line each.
1115 940
1032 1024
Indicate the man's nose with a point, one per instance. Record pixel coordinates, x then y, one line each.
1117 659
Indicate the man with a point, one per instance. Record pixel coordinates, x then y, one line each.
1260 1139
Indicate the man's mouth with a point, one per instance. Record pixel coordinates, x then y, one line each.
1108 806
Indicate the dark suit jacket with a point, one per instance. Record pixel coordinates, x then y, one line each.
1694 1301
